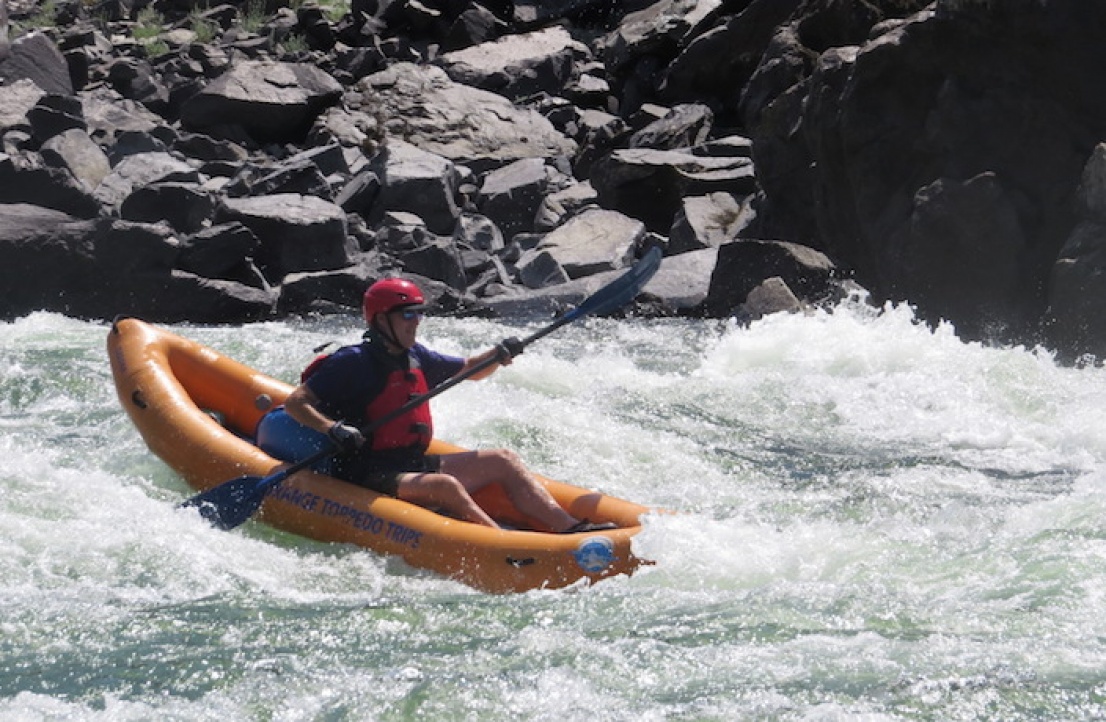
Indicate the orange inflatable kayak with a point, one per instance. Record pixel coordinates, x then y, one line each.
197 410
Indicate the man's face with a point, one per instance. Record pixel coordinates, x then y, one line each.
405 326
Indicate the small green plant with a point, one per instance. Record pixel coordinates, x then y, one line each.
335 10
295 43
205 29
156 48
255 16
45 18
149 25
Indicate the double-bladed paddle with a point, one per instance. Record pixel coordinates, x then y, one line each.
233 502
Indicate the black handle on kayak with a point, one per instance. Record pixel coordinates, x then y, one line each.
233 502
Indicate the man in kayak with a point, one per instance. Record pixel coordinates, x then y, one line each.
356 385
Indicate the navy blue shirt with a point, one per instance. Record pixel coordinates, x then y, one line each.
352 376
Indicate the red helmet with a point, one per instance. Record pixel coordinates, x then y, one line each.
388 294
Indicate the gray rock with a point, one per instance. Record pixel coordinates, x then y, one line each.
267 100
54 114
538 12
511 195
184 296
475 25
682 127
516 66
295 233
725 56
594 241
558 207
744 265
224 251
682 282
5 44
417 181
1077 283
437 258
74 151
299 176
184 206
771 296
667 23
110 115
140 170
329 291
538 268
359 193
708 221
35 57
961 254
650 184
28 180
47 261
16 100
478 232
466 125
126 248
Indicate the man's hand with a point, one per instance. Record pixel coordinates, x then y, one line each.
508 348
347 438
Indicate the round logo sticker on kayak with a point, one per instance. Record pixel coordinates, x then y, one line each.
594 554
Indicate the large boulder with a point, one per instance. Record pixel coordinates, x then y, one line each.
683 281
267 101
141 170
744 266
77 153
294 232
419 182
516 66
110 116
29 179
595 241
467 125
46 260
650 184
510 196
35 57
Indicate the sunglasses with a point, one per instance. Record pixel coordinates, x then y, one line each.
409 315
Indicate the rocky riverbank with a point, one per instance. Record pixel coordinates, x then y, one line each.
245 161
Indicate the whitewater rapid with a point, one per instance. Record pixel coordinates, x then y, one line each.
858 517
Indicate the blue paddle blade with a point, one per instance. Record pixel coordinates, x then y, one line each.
622 290
232 503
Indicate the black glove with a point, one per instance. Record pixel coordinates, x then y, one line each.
508 348
347 438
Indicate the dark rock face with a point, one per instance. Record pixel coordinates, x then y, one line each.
939 159
511 155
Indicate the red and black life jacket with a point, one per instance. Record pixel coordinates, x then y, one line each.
414 429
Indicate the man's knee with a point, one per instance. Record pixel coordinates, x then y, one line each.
507 458
444 486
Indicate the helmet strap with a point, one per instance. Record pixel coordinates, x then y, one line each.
389 333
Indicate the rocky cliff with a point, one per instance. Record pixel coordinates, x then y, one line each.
243 161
